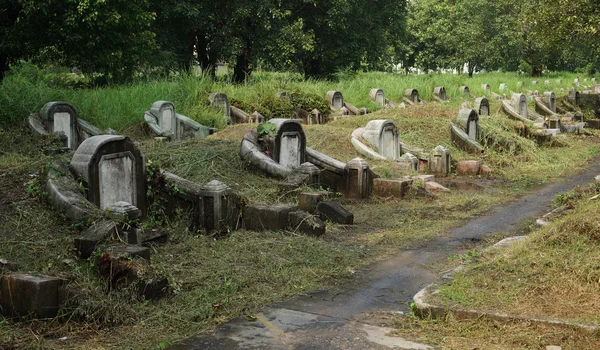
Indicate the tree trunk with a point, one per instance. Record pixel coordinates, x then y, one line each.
205 58
242 68
312 68
470 69
3 66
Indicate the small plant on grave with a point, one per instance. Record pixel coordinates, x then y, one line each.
266 134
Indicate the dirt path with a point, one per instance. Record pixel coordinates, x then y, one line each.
324 320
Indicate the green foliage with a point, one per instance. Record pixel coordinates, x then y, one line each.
309 101
266 130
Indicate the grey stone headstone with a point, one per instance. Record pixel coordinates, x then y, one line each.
164 114
383 135
486 88
412 95
550 100
290 143
336 99
219 207
113 169
465 91
482 106
220 100
60 118
502 87
358 179
439 161
378 96
468 120
440 92
519 102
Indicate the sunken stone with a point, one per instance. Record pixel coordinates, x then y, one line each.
308 201
27 295
96 234
468 167
334 212
306 223
391 187
263 217
131 251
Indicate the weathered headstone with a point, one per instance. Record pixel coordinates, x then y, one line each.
533 82
502 87
383 136
482 106
468 120
113 170
547 82
439 161
219 207
411 96
519 103
409 162
378 96
164 114
486 89
358 179
284 95
550 100
577 82
317 117
440 93
60 118
289 148
574 97
220 101
336 99
465 91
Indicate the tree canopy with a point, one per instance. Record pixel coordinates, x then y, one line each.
116 39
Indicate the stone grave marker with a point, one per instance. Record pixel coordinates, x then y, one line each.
113 170
60 118
547 82
550 100
378 96
482 106
533 82
290 143
519 102
502 87
439 161
574 96
593 80
383 136
164 115
411 96
220 101
440 93
220 207
336 99
577 82
486 89
468 120
359 179
465 91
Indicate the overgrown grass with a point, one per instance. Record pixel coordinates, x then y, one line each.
552 273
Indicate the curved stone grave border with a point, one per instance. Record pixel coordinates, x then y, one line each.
465 133
164 121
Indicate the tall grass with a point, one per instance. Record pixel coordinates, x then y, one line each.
28 88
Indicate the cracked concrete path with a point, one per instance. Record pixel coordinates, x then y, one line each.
324 320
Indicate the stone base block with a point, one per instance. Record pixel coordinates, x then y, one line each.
262 217
468 167
27 295
391 188
96 234
308 201
334 212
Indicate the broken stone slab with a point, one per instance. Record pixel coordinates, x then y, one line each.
306 223
334 212
409 162
264 217
468 167
435 187
391 187
485 170
129 251
86 244
30 296
424 178
308 201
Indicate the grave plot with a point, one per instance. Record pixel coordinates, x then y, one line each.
60 119
464 134
163 121
517 109
379 140
340 107
546 106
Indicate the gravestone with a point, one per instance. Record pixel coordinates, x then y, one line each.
502 87
336 99
440 92
60 118
482 106
486 89
289 148
220 101
593 80
533 82
412 95
550 100
113 171
358 179
163 113
574 97
439 161
559 81
383 136
317 117
468 120
519 102
465 91
577 82
378 96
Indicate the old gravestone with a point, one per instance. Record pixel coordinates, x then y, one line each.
574 97
219 207
482 106
550 100
465 91
113 170
164 115
439 161
411 96
383 136
519 102
440 92
336 99
220 101
289 147
502 87
486 88
378 96
60 118
468 120
164 121
359 180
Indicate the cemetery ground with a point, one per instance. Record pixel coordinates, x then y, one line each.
216 278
